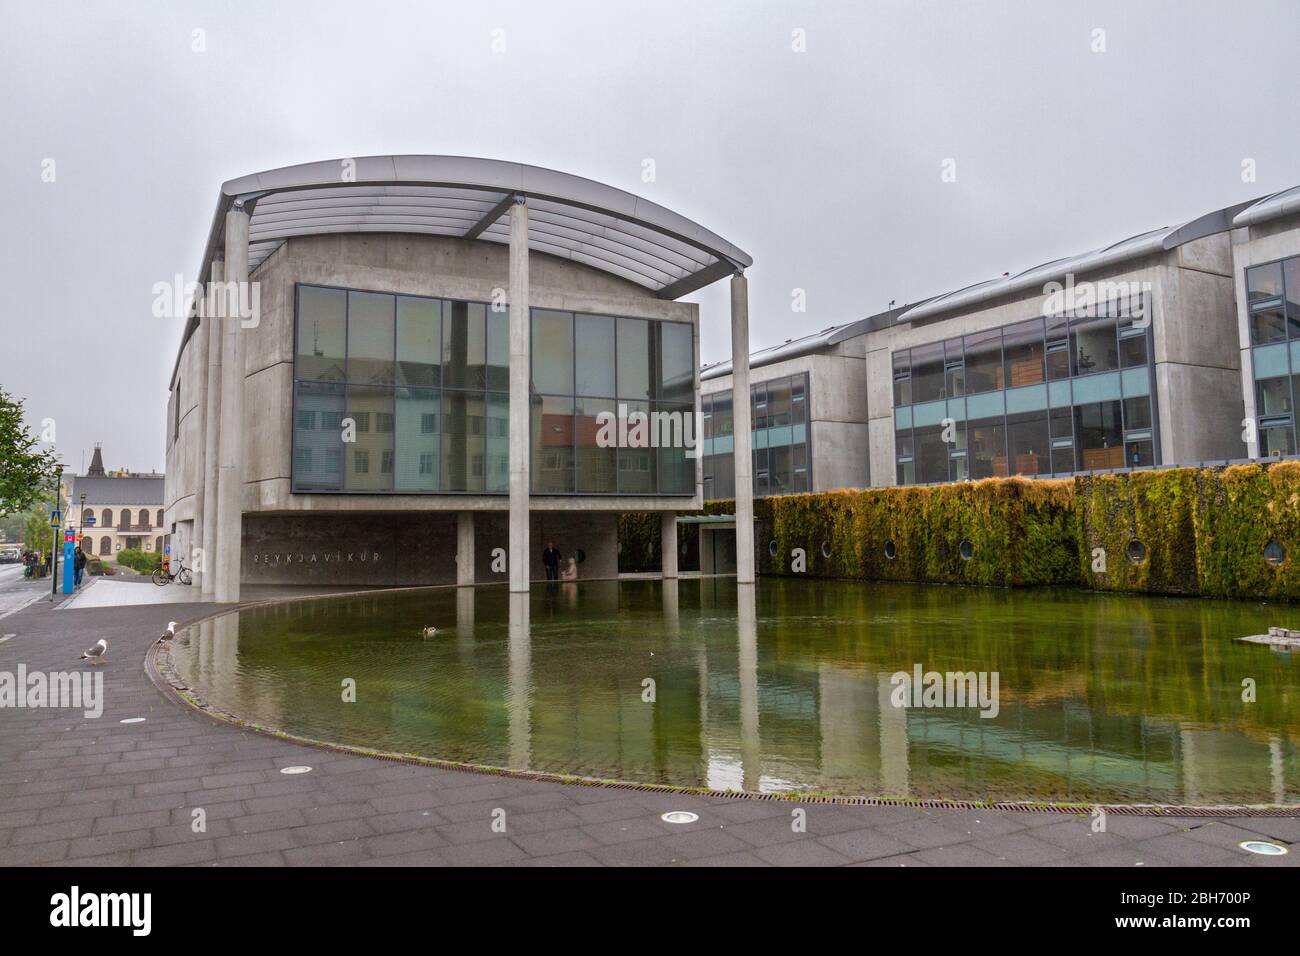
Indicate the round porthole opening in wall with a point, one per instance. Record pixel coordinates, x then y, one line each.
826 549
581 555
966 549
891 551
771 547
1136 551
1275 552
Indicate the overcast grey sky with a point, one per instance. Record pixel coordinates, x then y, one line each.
824 165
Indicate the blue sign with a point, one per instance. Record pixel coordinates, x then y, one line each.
56 518
69 560
90 521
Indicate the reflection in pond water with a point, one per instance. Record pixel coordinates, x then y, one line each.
782 686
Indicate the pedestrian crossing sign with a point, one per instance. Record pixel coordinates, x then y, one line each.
56 518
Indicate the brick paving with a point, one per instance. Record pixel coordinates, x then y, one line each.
77 792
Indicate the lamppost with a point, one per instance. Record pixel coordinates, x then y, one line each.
54 533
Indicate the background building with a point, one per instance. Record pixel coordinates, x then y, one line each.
1180 345
127 509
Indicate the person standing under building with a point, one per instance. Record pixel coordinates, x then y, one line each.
551 561
78 565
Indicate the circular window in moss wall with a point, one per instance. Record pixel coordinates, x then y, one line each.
1275 552
826 549
771 547
891 551
1136 551
966 549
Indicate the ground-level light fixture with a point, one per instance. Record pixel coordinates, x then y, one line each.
298 769
679 816
1262 848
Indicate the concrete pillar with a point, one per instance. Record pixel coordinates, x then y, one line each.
518 556
465 548
668 544
230 477
205 521
751 751
741 437
519 688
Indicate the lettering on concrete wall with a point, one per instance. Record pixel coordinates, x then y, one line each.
275 559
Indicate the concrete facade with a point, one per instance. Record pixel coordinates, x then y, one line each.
468 230
1200 349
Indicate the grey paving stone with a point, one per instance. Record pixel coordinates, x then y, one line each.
802 853
866 844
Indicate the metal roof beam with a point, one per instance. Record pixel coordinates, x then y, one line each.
493 214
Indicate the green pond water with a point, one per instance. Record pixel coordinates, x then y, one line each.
1100 698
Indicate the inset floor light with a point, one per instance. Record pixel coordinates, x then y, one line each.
1262 848
295 770
679 816
132 720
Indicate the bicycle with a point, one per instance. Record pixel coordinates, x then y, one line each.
163 578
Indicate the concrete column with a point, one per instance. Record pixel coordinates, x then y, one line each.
751 751
742 439
519 556
519 688
230 478
668 544
205 521
465 548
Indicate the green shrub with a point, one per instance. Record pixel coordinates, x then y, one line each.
145 562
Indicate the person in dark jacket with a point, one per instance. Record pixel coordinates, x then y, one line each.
551 561
78 565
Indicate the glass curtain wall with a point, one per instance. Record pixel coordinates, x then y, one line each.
779 422
409 394
1273 305
1045 396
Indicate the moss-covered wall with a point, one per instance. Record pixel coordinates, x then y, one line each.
1200 531
1237 512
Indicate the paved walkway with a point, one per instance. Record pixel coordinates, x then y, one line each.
75 791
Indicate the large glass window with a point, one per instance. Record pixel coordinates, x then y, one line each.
986 448
370 338
1049 420
322 334
1023 350
1100 434
398 393
984 361
779 420
927 372
1264 300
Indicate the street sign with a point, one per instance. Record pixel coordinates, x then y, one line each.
56 518
90 521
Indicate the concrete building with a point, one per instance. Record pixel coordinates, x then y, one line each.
408 369
121 509
1170 347
1266 259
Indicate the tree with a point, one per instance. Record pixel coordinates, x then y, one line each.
25 473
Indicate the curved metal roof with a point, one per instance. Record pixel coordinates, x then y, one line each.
466 197
568 216
1279 204
1134 247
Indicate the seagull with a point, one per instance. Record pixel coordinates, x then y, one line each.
428 631
96 653
168 634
